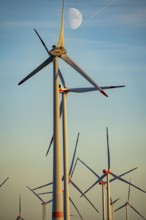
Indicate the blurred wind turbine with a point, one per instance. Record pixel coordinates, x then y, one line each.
4 181
56 52
19 216
112 207
102 183
43 203
107 174
128 204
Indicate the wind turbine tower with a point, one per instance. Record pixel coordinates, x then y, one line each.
19 216
56 52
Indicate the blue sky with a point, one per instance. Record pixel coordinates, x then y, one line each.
110 46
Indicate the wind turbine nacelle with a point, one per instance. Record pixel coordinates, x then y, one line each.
57 51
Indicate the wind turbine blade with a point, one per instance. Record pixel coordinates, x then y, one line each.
61 39
68 60
91 89
72 163
42 42
120 207
45 63
49 201
73 168
123 174
62 78
82 90
44 193
4 181
115 201
129 191
50 145
97 181
75 207
125 181
75 186
48 184
61 110
136 211
88 168
35 194
108 150
112 87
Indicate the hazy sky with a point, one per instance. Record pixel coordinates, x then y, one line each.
110 46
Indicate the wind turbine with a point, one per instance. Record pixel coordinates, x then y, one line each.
128 204
4 181
112 207
56 52
43 203
102 183
107 174
19 216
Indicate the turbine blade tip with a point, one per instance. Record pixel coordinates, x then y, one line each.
103 92
20 83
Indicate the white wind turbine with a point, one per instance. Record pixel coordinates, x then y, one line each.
56 52
19 216
4 181
127 204
112 207
103 184
107 174
43 203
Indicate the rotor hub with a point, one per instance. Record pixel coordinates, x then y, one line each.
57 52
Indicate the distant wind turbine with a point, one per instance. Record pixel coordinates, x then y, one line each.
127 204
107 174
43 203
112 207
19 216
102 183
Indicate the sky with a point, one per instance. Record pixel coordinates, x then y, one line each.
110 45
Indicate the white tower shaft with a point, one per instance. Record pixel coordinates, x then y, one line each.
65 159
57 207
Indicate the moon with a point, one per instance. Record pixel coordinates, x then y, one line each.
75 18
